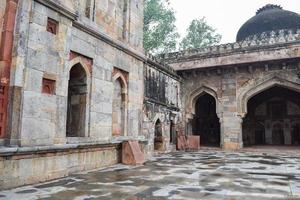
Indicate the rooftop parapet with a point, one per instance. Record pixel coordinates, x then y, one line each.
156 60
264 39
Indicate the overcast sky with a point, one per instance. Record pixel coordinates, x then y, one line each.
227 16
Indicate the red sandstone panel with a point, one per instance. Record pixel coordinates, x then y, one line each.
193 142
5 60
132 154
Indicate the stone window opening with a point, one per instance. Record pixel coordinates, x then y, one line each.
52 26
125 20
89 11
48 86
77 102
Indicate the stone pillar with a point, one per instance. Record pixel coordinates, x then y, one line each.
231 131
221 132
189 126
287 132
268 132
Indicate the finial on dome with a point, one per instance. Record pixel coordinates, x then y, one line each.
268 7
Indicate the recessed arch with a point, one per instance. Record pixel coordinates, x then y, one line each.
77 102
270 116
260 85
78 60
120 105
120 76
158 135
193 97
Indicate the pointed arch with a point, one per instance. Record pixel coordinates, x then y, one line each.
157 117
122 79
120 105
79 60
193 97
260 85
78 116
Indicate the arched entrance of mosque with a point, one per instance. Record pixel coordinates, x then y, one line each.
77 100
272 118
296 133
205 122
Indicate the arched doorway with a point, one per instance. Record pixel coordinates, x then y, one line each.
119 103
296 134
158 137
206 122
270 116
172 133
77 100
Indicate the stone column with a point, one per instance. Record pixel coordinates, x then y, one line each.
221 132
268 132
189 127
287 132
231 130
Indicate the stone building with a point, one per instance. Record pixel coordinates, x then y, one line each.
72 87
75 84
162 104
245 93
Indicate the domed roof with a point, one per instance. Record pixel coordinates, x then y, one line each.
268 18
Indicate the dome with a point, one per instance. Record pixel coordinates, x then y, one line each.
269 18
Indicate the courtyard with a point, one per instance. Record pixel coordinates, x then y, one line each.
207 174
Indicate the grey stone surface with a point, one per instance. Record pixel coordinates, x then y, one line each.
199 175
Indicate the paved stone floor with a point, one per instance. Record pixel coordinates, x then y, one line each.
201 175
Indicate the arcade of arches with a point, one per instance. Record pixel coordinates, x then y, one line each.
273 118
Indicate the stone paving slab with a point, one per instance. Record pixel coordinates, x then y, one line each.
207 175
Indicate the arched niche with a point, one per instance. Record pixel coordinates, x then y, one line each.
119 105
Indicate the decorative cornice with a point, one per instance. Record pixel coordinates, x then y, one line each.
149 59
107 39
59 8
262 41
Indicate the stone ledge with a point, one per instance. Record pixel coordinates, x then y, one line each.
115 143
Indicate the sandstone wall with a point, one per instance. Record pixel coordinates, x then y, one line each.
232 87
162 102
29 166
120 19
39 118
2 12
